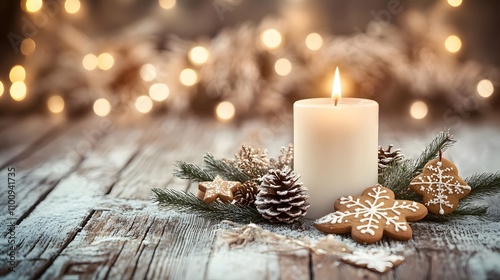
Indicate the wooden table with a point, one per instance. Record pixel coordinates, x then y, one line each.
83 208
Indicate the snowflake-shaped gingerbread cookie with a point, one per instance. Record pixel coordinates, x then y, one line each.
369 216
440 186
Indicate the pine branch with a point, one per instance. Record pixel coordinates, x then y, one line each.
397 177
226 170
193 172
482 185
441 142
187 202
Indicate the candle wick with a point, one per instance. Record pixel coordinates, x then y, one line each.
336 100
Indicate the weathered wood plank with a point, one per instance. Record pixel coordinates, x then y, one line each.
23 137
136 245
38 173
153 165
56 220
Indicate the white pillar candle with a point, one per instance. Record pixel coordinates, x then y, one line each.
335 148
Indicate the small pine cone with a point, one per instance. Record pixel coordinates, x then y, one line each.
281 199
246 193
388 157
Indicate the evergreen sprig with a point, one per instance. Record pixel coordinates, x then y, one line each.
189 171
229 172
187 202
398 176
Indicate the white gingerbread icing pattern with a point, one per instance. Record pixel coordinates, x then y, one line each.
440 186
372 213
379 261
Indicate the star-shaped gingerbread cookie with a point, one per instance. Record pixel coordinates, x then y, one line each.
369 216
440 186
218 188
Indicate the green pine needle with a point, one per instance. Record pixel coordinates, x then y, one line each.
482 185
441 142
192 172
226 170
397 177
187 202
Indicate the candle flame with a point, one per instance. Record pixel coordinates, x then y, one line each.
336 89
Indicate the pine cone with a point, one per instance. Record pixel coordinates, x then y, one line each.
386 157
246 193
281 199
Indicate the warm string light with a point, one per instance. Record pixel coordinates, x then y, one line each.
485 88
314 41
17 74
271 38
143 104
18 91
102 107
1 88
28 46
283 67
159 92
188 77
33 6
72 6
55 104
225 111
148 72
418 110
453 43
455 3
199 55
167 4
105 61
89 62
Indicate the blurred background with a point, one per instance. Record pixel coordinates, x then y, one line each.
232 60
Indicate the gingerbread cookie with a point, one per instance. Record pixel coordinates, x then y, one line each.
369 216
440 186
218 188
377 261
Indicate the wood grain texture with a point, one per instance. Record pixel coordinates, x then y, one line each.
84 209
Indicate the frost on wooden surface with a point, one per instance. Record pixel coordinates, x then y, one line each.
93 218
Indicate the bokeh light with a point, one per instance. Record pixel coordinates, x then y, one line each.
419 110
188 77
33 6
199 55
1 88
143 104
453 43
18 91
455 3
283 67
148 72
55 103
17 74
159 92
485 88
72 6
105 61
225 111
314 41
28 46
167 4
89 62
271 38
102 107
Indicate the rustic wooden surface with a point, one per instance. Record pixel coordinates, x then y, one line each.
83 191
